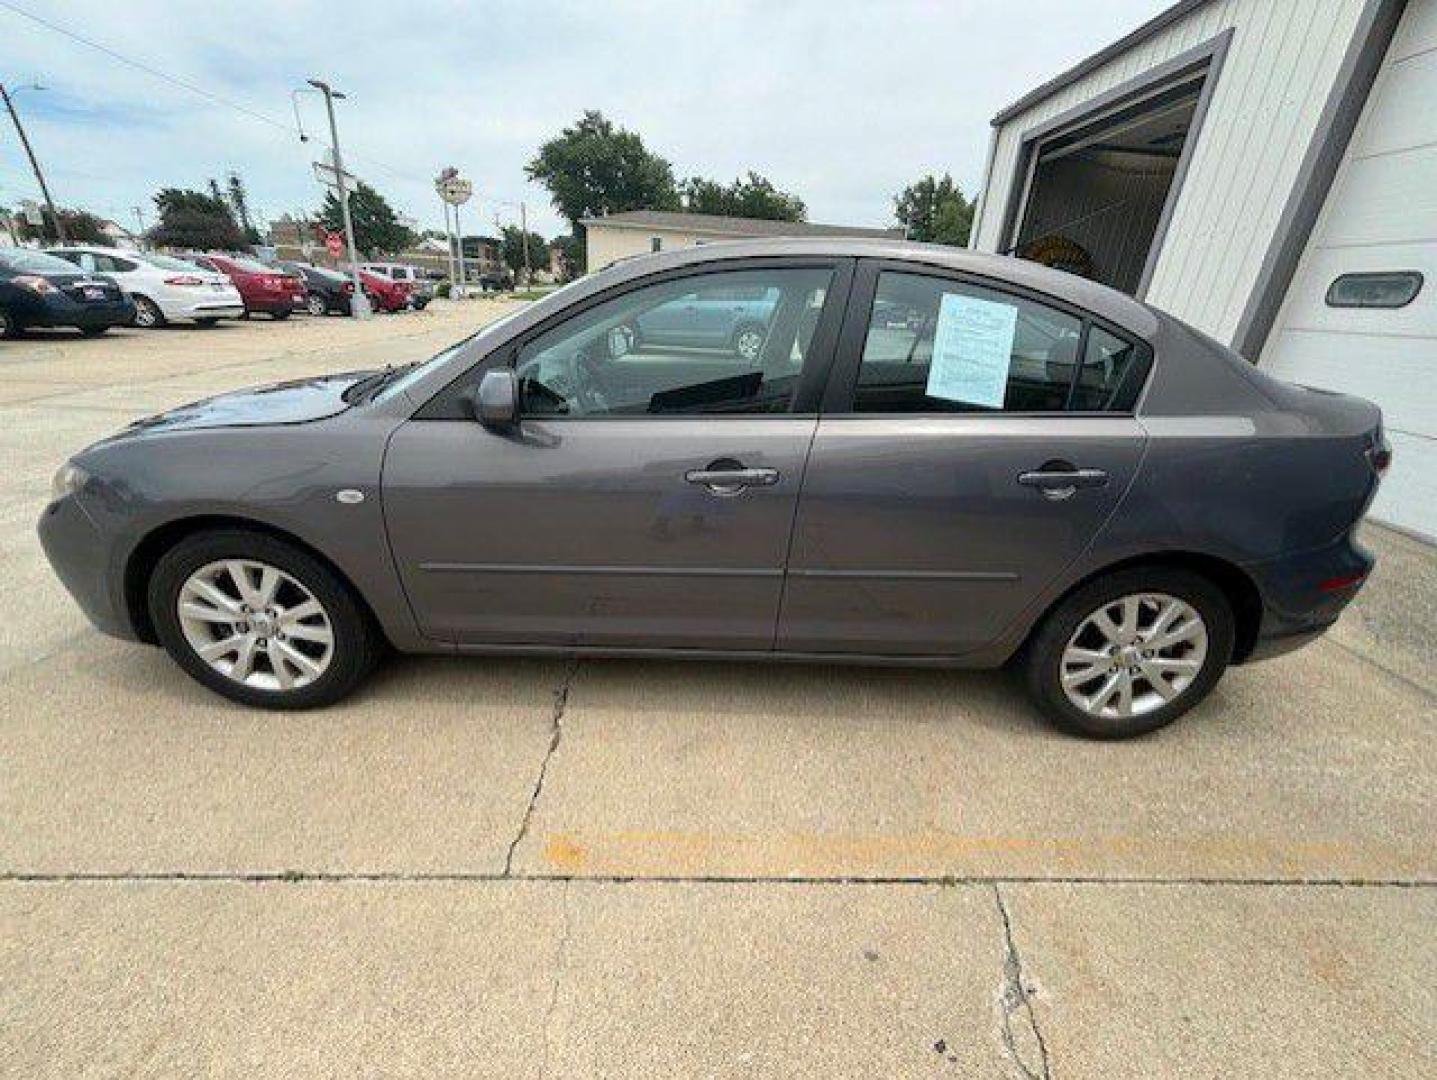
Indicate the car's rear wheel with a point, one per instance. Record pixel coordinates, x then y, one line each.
207 321
315 305
9 326
148 313
261 621
1130 652
279 315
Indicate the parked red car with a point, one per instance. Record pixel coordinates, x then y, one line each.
385 294
261 287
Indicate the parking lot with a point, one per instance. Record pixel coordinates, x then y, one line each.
538 868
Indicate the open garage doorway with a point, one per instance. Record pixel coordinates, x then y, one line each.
1099 185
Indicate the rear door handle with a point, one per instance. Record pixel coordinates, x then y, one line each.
1062 483
731 481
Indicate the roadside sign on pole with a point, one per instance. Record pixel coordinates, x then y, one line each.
329 177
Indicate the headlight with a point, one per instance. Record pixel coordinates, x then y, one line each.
68 480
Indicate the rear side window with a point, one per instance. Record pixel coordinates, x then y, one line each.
934 345
1107 378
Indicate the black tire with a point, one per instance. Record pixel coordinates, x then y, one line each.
94 331
1041 659
279 316
9 325
147 314
207 321
358 642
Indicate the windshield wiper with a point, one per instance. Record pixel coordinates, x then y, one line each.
366 388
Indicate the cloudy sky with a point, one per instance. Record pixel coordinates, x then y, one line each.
840 101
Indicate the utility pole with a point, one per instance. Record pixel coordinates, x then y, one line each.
359 303
30 153
524 230
140 222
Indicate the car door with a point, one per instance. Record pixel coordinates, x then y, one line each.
645 498
963 458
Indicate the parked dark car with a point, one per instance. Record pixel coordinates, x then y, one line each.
41 290
264 289
1022 466
326 290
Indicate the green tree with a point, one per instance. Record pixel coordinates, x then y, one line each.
597 168
376 229
934 211
238 199
514 239
81 227
194 220
753 197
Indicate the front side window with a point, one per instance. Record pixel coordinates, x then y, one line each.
935 345
724 342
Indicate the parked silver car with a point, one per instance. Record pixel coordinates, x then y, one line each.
933 457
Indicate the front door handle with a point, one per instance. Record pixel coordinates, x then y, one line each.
731 481
1061 480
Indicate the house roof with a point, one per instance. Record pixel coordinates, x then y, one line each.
736 227
1155 25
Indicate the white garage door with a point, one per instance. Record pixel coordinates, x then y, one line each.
1380 216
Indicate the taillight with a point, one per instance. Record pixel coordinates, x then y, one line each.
184 279
1342 582
271 282
349 288
34 284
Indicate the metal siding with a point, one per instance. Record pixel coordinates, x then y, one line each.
1262 117
1380 214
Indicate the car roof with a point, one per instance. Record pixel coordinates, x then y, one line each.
1101 300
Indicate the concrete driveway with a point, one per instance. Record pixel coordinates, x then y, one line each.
527 868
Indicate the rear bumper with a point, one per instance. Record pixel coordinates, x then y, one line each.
218 306
1304 593
56 309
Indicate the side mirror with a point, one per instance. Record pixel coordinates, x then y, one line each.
496 402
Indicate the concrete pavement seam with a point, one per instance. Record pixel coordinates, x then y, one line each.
1015 998
556 734
1361 657
381 877
561 955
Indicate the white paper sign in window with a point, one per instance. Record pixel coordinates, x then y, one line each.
972 350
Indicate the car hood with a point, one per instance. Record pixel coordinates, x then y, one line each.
294 402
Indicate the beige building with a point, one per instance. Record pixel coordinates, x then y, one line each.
640 232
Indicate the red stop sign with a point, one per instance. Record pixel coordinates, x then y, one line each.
335 243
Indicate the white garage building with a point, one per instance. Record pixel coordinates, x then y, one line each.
1267 171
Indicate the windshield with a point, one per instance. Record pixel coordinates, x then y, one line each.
35 262
165 262
249 266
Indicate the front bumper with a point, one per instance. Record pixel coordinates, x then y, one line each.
82 559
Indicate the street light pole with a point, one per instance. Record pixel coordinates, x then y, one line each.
524 236
358 303
39 176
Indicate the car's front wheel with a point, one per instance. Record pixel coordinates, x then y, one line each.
261 621
315 305
1130 652
9 326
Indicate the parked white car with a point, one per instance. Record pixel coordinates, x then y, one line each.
163 288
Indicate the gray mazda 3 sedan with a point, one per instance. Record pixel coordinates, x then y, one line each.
912 455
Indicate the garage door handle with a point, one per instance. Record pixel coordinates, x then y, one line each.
1062 483
731 481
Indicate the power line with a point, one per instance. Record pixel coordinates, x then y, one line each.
219 99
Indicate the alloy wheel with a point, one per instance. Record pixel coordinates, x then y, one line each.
1134 655
315 304
147 315
255 624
